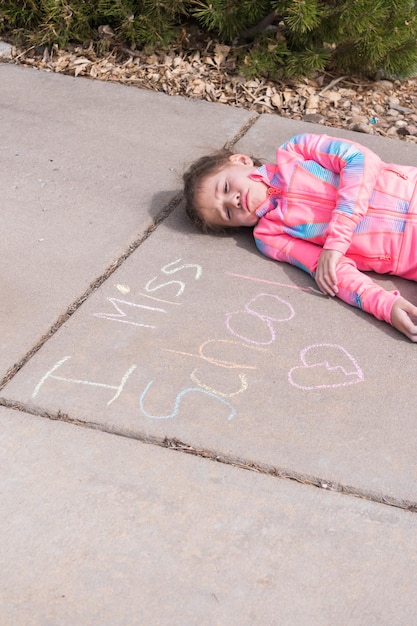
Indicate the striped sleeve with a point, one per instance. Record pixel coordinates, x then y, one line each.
355 287
358 168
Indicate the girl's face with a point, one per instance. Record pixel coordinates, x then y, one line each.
230 197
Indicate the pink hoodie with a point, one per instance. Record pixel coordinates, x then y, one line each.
335 194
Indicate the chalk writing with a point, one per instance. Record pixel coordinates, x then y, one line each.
198 269
273 282
219 362
121 314
124 289
325 365
220 343
254 326
50 374
243 385
120 305
267 320
181 284
231 408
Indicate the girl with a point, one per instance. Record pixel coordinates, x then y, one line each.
328 206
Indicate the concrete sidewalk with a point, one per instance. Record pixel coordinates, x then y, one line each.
125 332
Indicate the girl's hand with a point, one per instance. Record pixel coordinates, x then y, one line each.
404 318
326 278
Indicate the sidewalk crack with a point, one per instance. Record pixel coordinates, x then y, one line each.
158 219
177 445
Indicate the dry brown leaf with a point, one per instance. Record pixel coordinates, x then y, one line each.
79 69
276 100
220 53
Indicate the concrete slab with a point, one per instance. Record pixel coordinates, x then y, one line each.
99 529
85 167
203 340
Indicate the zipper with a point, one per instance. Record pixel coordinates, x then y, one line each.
394 171
375 210
301 196
380 257
274 191
378 210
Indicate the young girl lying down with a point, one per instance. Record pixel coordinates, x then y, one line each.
329 206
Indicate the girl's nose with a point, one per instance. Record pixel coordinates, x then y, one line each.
236 200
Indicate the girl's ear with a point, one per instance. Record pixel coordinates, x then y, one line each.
244 159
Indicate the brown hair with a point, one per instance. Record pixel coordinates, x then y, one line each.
197 172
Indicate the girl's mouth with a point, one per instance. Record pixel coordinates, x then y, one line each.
246 201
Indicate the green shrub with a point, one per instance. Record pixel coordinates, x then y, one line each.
272 38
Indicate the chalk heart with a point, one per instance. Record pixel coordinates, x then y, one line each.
325 365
